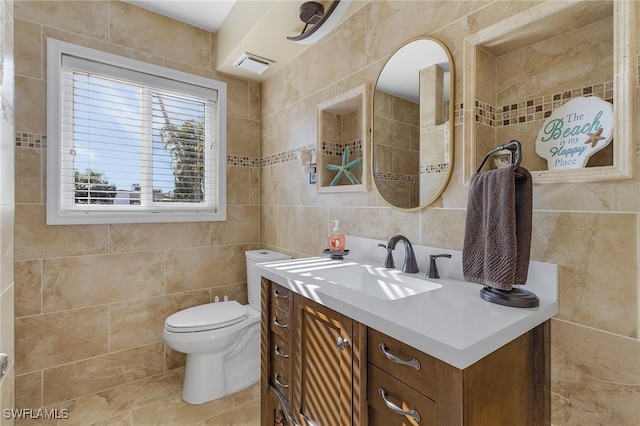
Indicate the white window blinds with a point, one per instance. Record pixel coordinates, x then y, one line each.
132 143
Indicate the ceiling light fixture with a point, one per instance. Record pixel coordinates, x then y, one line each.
312 13
253 63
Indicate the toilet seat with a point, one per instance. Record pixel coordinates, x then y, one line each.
210 316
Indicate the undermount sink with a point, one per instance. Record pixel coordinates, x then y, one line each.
378 282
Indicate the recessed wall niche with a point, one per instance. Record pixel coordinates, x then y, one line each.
521 69
342 143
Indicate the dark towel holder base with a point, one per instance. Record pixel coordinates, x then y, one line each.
516 297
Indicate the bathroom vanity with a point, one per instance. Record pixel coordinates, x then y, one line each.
332 359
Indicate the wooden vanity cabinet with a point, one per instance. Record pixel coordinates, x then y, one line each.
315 376
330 370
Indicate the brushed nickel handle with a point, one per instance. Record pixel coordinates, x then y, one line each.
276 379
279 353
279 324
280 296
342 343
414 363
393 407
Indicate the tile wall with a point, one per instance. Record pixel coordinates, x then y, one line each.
7 204
589 229
90 300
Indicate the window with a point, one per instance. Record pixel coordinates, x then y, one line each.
131 142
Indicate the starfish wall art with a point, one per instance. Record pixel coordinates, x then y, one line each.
344 169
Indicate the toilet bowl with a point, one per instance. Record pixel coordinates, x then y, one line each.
221 340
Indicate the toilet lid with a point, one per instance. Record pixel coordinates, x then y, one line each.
210 316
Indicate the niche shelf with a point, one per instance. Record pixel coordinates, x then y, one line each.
520 69
342 127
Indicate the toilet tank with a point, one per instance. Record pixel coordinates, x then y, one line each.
253 275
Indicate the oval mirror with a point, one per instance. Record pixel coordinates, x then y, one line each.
412 128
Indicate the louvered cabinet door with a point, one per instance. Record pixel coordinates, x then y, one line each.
327 366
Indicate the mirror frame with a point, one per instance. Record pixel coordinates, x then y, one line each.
624 35
451 109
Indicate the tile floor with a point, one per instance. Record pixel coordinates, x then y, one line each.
156 401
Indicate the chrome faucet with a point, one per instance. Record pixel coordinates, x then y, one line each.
410 265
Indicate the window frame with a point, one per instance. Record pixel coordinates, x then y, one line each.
57 214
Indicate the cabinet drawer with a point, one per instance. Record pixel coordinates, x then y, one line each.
280 380
424 379
399 394
280 297
280 322
279 347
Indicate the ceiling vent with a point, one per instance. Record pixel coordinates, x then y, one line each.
253 63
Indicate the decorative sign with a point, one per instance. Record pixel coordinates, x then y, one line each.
574 132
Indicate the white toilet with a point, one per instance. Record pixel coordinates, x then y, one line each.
221 340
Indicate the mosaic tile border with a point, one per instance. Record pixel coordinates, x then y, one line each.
31 140
34 140
537 108
285 156
395 177
434 168
336 148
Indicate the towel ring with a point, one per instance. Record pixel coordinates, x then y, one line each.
515 151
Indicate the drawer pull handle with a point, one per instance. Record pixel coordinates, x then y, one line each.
414 363
279 353
393 407
279 324
280 296
279 383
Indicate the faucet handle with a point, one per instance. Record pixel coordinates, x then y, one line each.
388 262
432 272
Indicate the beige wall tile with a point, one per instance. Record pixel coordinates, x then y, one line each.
237 292
6 245
242 226
35 240
140 322
162 36
95 374
269 225
238 185
48 340
243 136
93 43
254 186
74 282
28 175
597 268
28 390
28 288
239 104
88 18
443 228
377 223
347 42
157 236
203 267
30 105
595 376
28 49
282 89
303 229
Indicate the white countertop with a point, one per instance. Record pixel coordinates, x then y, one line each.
451 323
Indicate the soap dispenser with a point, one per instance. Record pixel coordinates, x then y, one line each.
337 241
